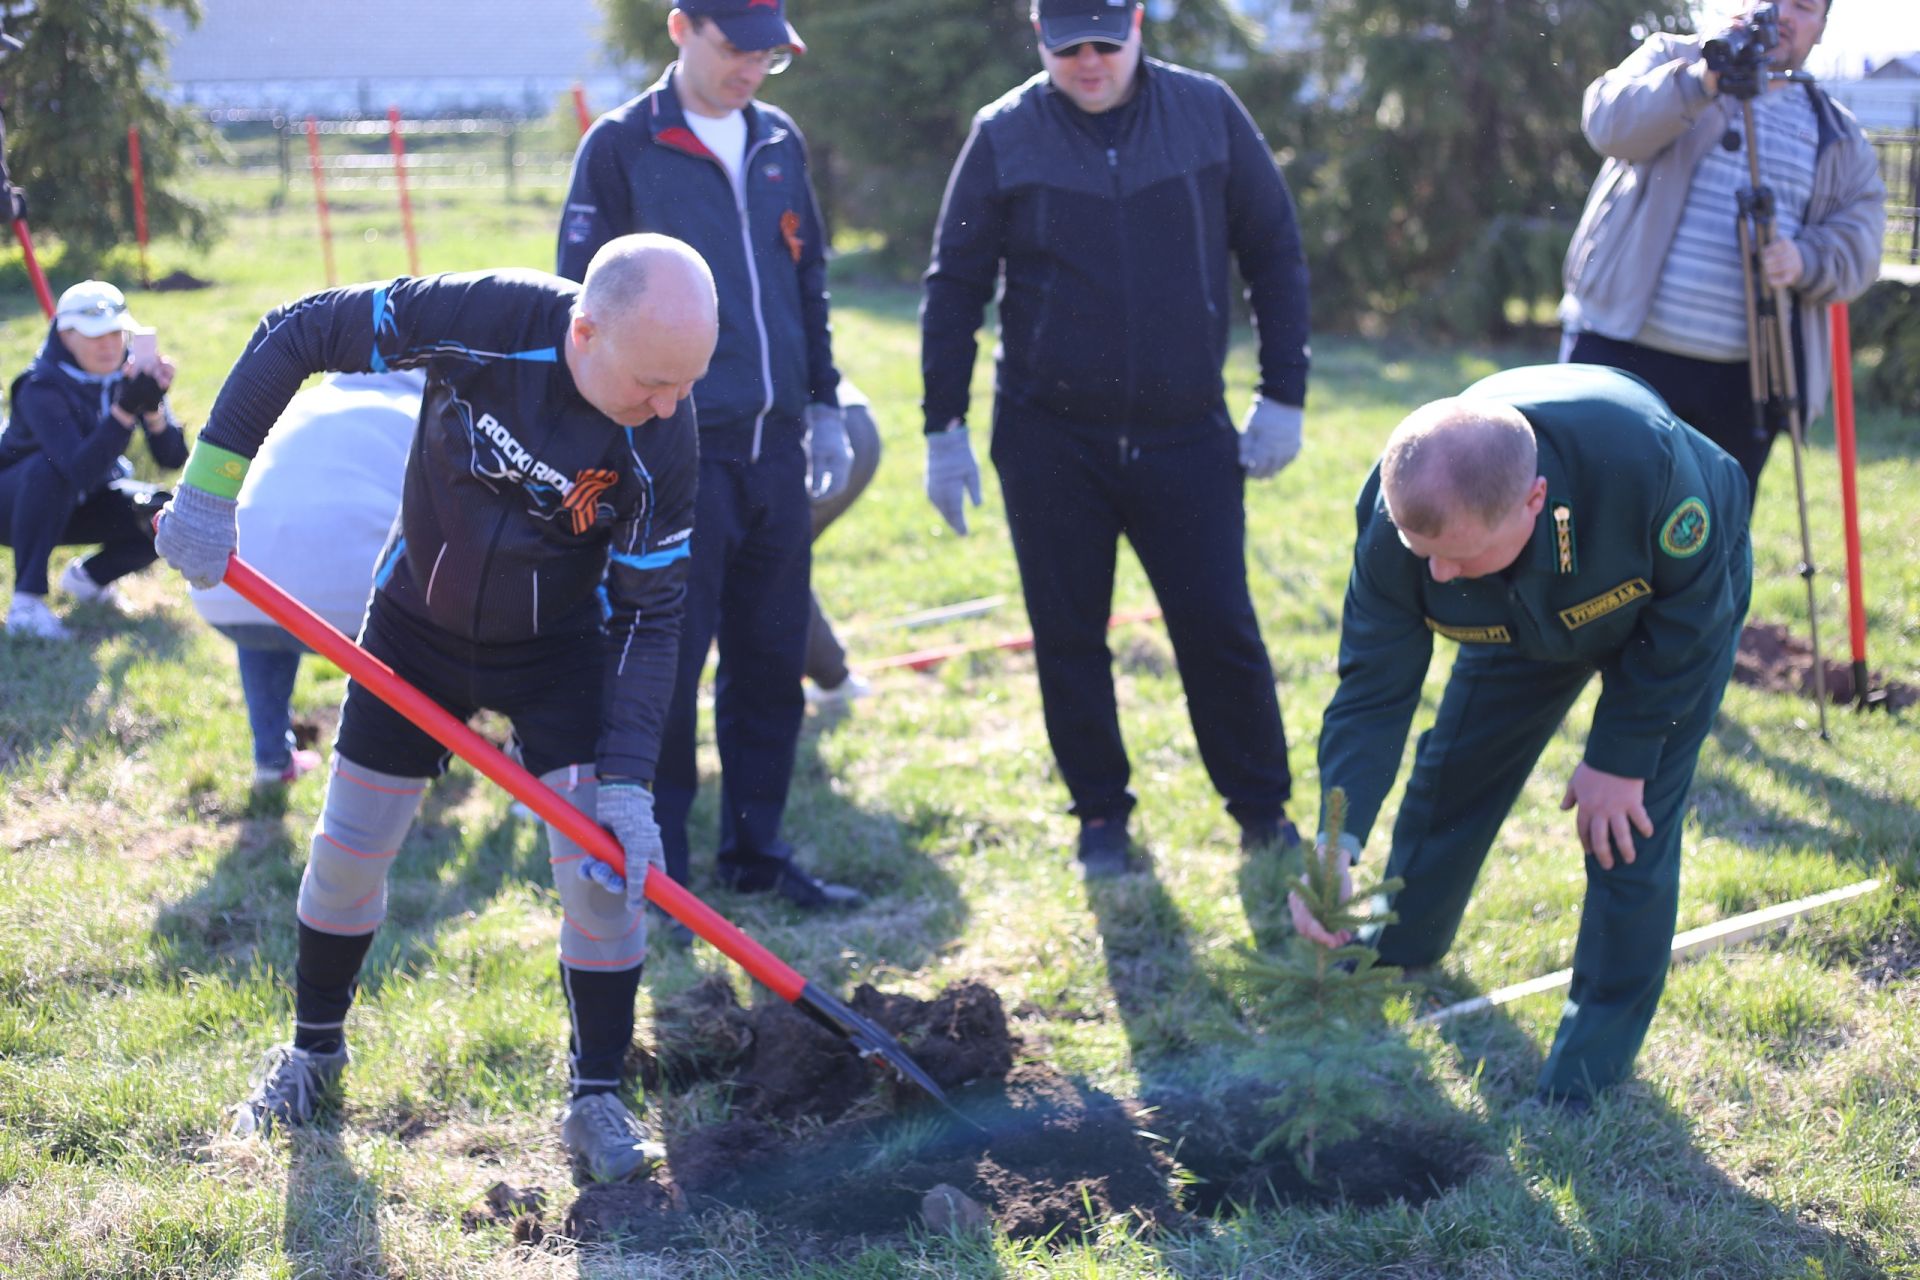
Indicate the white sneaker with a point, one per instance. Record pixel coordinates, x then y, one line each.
79 584
29 616
853 688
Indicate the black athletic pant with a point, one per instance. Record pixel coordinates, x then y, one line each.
40 511
1712 397
1071 493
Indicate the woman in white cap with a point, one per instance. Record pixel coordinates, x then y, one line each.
62 477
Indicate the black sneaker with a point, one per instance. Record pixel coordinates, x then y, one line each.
808 892
664 928
1272 835
1104 849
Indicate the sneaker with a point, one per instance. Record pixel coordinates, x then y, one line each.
1104 849
851 689
1271 835
29 616
299 765
607 1142
664 928
288 1087
791 882
79 584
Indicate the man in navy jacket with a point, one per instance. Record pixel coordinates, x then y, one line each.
697 158
1105 197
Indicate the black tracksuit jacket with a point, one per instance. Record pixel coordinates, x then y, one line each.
520 497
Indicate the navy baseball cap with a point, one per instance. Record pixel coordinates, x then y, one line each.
748 24
1065 22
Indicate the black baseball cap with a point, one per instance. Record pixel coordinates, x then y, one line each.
748 24
1065 22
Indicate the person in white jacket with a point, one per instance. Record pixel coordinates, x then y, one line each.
314 512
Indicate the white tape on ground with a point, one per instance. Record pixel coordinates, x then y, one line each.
1686 946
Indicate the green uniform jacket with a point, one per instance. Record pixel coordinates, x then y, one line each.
1631 570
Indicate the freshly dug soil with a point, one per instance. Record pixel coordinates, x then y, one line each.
1773 659
813 1148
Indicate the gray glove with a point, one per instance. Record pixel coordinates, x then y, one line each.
196 534
626 809
1270 437
952 476
829 456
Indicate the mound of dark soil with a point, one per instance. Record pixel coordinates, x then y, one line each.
813 1148
1773 659
178 282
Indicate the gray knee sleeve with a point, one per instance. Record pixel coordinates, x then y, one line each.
362 822
598 931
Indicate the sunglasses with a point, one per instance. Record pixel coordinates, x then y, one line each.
1105 48
773 61
96 310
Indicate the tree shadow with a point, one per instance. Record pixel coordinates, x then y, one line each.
1170 1005
1636 1194
331 1223
48 689
1858 826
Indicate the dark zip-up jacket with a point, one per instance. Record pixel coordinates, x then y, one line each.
1115 257
641 168
69 420
1638 568
520 498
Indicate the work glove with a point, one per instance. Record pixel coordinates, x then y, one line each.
829 456
1270 437
952 476
626 809
140 394
196 534
1347 850
17 203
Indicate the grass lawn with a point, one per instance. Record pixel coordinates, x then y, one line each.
146 901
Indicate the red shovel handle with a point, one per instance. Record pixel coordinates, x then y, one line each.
380 679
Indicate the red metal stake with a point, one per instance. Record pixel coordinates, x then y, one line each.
34 273
1843 440
406 205
139 175
580 111
320 197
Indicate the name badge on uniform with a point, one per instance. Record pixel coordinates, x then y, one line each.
1600 606
1470 635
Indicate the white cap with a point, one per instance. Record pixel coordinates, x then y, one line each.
93 307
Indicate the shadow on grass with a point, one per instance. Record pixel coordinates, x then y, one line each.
331 1225
1857 826
52 692
1626 1187
1170 1004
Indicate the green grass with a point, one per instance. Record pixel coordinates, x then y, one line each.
146 904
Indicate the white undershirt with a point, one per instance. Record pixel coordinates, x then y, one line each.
726 137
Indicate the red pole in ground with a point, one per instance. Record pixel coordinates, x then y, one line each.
406 205
139 175
1849 494
580 111
40 289
320 196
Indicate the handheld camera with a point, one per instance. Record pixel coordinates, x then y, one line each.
1738 55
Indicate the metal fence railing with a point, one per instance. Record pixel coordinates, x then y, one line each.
451 154
1900 169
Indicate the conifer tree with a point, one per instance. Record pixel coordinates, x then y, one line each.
1323 1002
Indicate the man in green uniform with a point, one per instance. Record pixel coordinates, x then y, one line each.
1555 521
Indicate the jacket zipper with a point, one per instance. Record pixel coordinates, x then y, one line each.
1200 244
1126 304
753 281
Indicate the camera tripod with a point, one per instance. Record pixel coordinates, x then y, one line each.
1770 370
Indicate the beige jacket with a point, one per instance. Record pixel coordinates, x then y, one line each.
1651 117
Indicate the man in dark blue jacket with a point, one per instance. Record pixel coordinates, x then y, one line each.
1106 197
697 158
62 477
537 568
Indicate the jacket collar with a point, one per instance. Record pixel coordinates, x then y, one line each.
667 119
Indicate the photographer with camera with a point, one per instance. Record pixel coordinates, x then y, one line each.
1655 277
97 383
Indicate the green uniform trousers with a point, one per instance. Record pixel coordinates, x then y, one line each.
1497 713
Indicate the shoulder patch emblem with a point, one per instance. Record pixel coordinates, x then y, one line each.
1600 606
1685 531
1470 635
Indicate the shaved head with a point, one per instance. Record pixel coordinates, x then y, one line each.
643 327
1458 458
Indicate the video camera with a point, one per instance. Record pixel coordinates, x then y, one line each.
1738 55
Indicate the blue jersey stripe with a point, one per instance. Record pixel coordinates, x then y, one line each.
387 566
656 559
